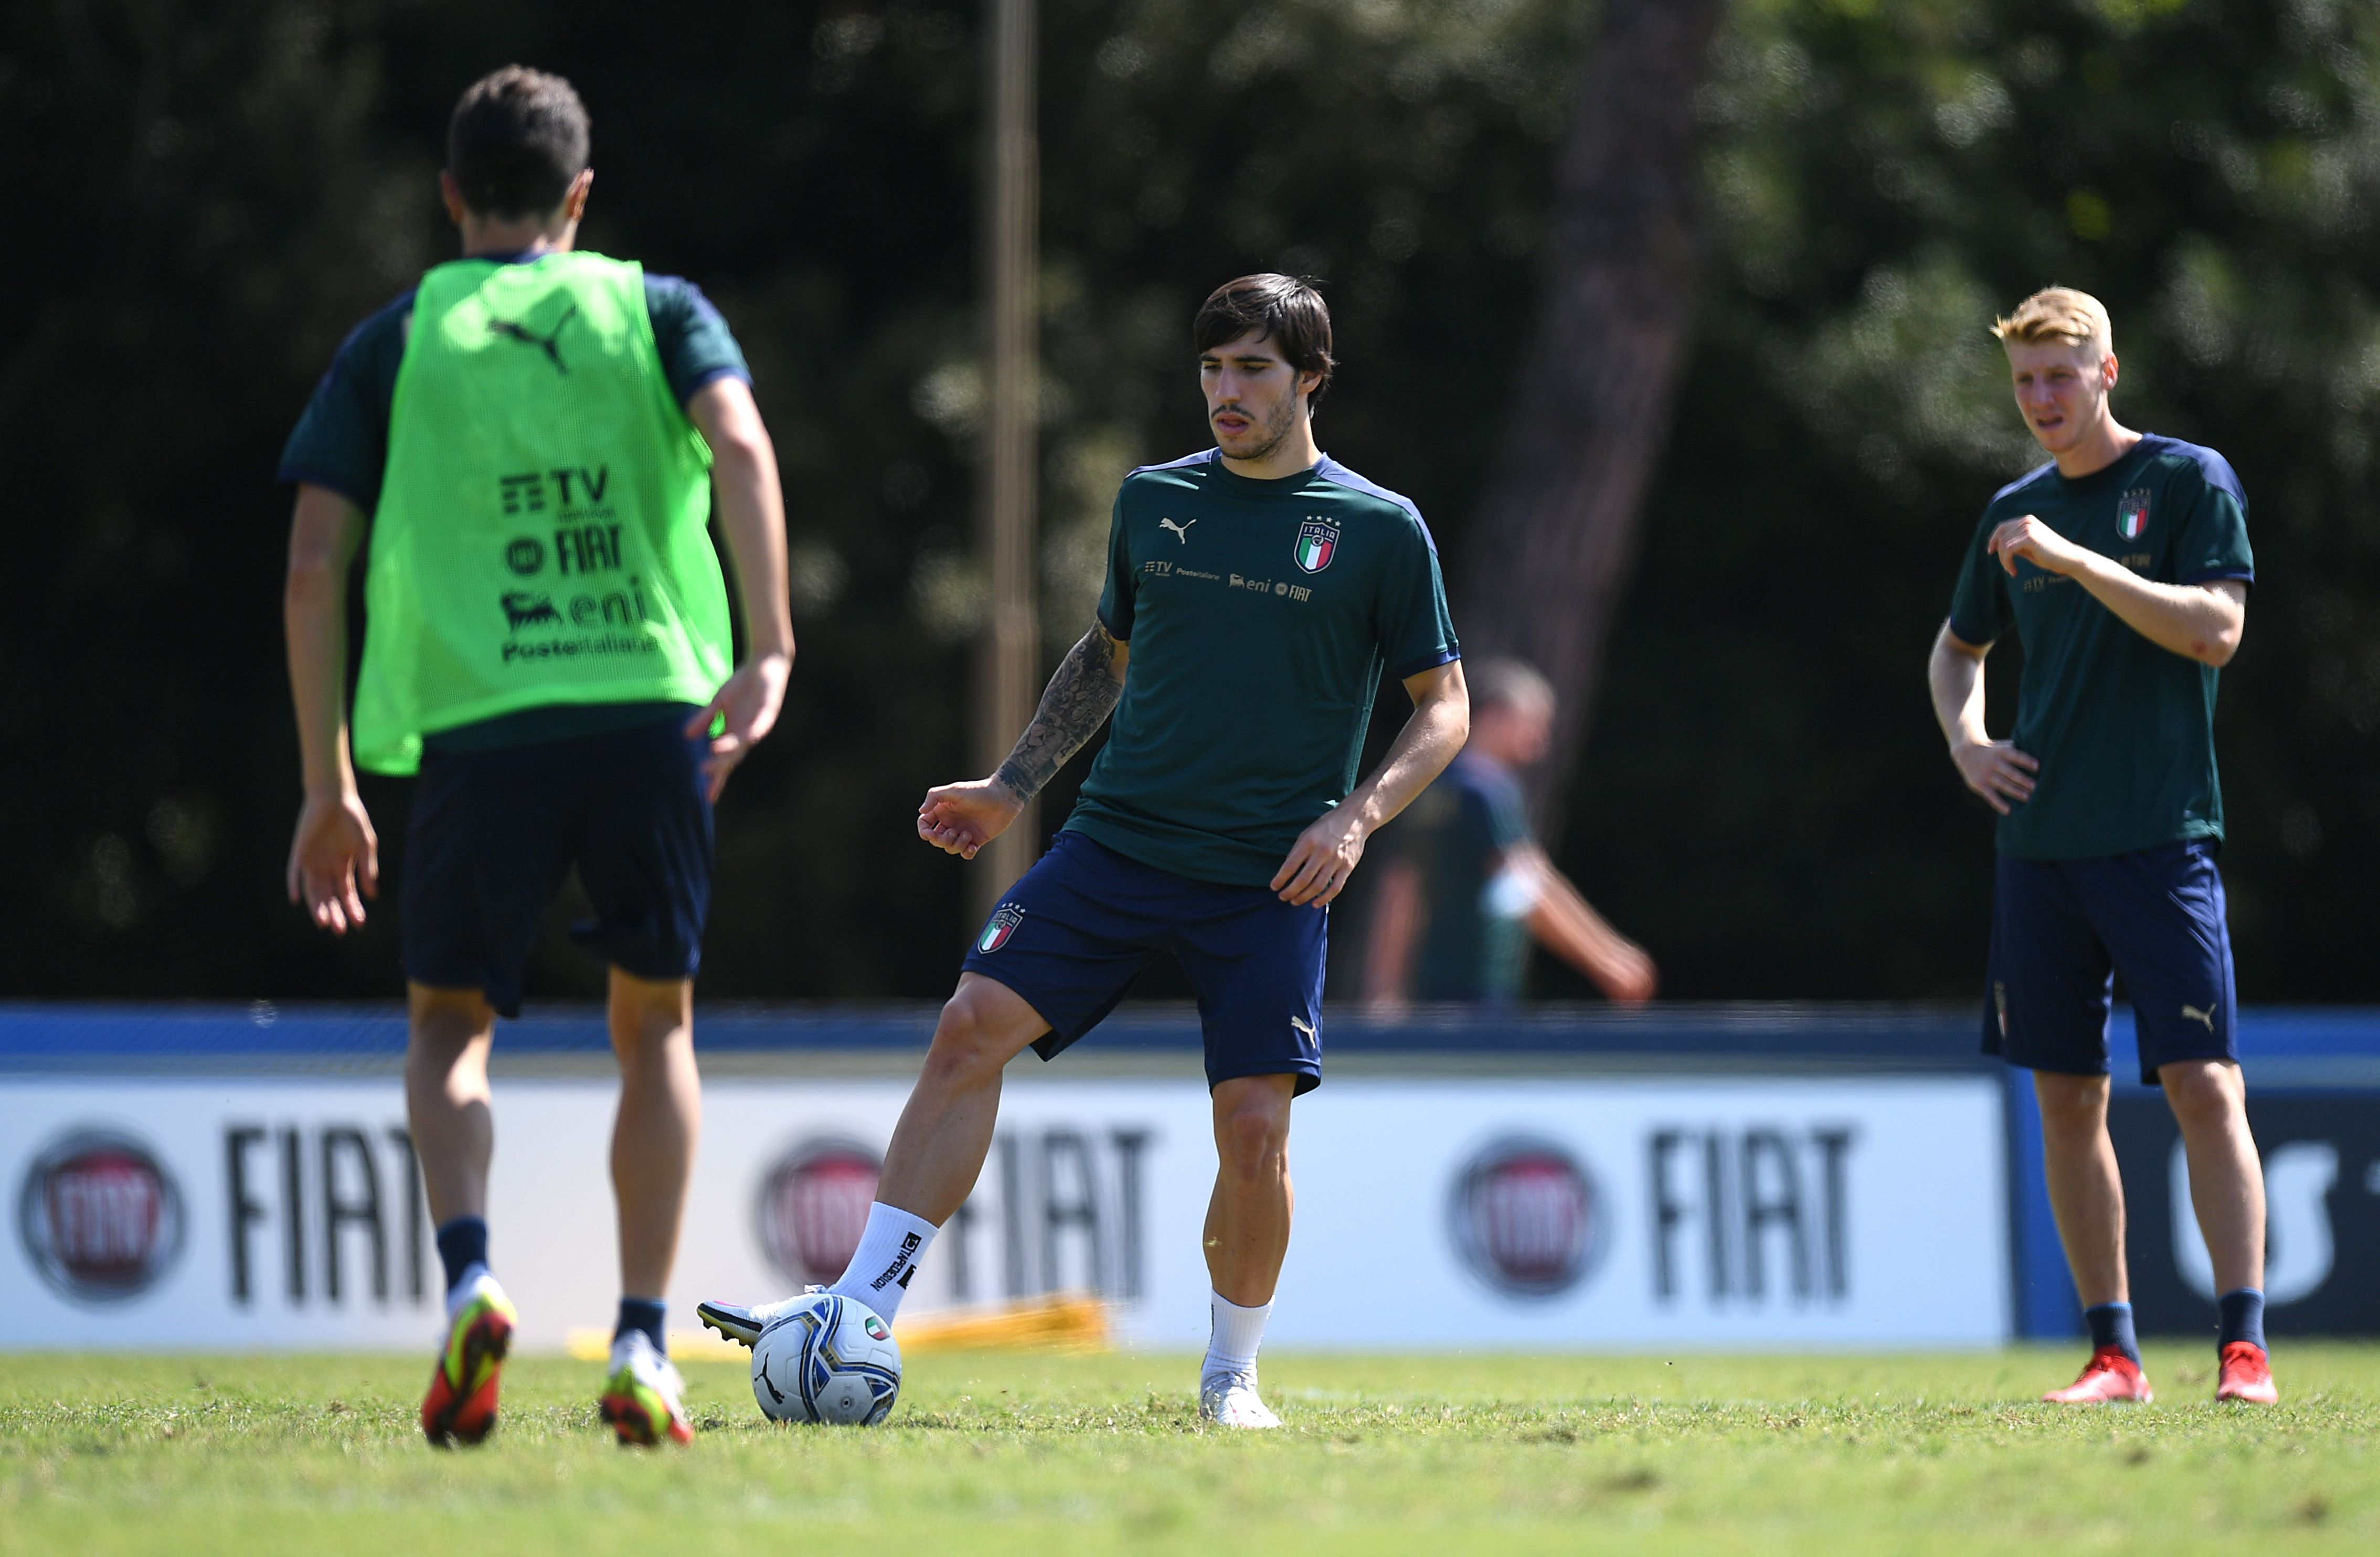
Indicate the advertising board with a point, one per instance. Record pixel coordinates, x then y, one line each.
1441 1214
2313 1077
2322 1203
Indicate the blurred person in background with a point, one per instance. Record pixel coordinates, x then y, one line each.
534 436
1466 888
2123 566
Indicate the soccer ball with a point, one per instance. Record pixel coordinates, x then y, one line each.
827 1359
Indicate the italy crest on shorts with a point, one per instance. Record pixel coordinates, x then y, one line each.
2132 513
1004 920
1316 540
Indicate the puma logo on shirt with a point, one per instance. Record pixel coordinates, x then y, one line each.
548 343
1181 530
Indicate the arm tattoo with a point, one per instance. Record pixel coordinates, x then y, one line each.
1076 702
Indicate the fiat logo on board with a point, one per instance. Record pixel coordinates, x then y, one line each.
1527 1218
814 1206
101 1221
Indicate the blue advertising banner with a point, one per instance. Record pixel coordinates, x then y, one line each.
2313 1103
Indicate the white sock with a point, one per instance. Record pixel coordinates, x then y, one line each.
886 1259
461 1291
1231 1344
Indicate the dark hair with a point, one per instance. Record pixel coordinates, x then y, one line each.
517 138
1278 308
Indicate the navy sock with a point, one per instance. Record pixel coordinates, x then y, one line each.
2244 1318
2111 1325
462 1244
647 1314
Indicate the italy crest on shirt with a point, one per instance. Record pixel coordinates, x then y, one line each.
2132 513
1316 540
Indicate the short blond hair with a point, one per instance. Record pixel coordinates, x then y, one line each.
2058 313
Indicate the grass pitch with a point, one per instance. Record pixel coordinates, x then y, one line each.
1005 1454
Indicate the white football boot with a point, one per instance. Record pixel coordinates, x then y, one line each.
742 1323
1231 1400
644 1398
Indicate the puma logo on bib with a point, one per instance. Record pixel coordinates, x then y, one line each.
550 342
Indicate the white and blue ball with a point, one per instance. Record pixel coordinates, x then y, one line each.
827 1359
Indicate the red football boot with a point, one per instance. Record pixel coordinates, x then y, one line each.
2247 1375
2109 1375
461 1405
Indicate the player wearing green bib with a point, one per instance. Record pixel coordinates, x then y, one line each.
532 433
1255 595
478 604
2124 565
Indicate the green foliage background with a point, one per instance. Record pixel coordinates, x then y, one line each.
204 197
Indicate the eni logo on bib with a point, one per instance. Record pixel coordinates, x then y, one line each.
2132 513
1316 540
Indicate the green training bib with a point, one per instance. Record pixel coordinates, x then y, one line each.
542 531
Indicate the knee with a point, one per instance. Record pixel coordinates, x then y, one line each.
2201 1095
2072 1105
652 1028
966 1049
447 1028
1251 1132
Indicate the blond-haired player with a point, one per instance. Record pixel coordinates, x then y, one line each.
2124 565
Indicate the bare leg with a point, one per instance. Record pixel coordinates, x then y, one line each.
945 1130
446 1101
2209 1099
660 1118
1247 1220
2085 1190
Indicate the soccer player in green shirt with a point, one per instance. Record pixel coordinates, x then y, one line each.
2124 565
1256 594
534 436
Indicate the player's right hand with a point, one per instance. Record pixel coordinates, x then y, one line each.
1997 770
961 818
334 861
1624 971
2028 537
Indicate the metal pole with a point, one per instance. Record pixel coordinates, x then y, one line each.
1011 662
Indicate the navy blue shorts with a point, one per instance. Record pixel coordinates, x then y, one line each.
494 834
1071 936
2060 929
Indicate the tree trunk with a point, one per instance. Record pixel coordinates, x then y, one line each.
1555 538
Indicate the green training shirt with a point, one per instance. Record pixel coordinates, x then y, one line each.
540 537
1459 834
2124 731
1261 615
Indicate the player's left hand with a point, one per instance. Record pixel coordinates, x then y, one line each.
745 708
1322 859
2035 542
